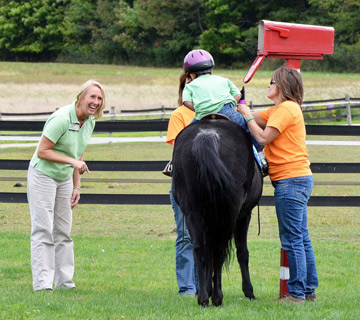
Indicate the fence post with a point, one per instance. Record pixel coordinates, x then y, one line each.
348 109
112 118
162 118
251 106
284 273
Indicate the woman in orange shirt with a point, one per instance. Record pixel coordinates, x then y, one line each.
186 271
281 129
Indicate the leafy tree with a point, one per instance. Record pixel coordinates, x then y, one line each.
31 30
105 45
90 28
161 31
77 30
223 36
345 18
232 26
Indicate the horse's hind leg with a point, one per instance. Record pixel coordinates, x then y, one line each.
217 295
242 254
205 280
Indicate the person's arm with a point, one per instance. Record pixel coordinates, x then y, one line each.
237 98
77 184
263 136
46 152
256 125
246 113
189 105
258 119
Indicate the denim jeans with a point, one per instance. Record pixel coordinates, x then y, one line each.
229 111
291 198
186 271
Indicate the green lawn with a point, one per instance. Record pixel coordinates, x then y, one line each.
124 255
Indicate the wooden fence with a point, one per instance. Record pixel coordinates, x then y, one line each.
163 199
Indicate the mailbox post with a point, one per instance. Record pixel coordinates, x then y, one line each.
293 42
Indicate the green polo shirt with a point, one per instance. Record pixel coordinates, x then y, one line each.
209 93
63 129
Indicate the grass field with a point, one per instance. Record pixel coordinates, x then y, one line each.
40 87
124 255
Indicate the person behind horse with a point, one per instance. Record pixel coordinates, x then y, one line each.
186 271
281 129
209 93
53 188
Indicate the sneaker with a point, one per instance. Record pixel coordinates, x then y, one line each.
291 299
264 163
265 170
311 297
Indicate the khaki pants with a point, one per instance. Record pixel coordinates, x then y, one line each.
52 253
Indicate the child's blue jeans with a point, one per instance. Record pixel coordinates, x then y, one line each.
229 111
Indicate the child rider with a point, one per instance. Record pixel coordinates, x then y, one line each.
207 93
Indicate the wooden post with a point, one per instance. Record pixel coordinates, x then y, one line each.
284 273
348 109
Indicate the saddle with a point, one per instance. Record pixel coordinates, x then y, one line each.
215 116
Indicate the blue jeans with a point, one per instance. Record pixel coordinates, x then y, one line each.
291 198
186 271
229 111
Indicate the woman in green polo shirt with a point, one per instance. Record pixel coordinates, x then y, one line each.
53 188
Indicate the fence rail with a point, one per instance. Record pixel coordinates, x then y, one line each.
157 166
161 125
163 199
344 103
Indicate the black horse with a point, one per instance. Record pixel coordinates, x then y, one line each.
216 182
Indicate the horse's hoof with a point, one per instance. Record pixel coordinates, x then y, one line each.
217 303
204 304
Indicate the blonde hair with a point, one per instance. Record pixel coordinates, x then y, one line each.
84 89
290 84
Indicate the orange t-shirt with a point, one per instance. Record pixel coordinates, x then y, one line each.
287 154
179 119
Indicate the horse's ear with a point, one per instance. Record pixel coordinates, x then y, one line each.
242 92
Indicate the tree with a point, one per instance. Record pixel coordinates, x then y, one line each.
344 17
31 30
105 46
161 31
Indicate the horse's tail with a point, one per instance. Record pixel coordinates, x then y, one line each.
216 194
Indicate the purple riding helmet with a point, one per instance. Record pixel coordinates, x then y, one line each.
198 61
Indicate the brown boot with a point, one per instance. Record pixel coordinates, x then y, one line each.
291 299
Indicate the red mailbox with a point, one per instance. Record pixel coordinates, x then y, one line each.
292 42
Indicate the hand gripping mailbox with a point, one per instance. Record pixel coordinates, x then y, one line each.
292 42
